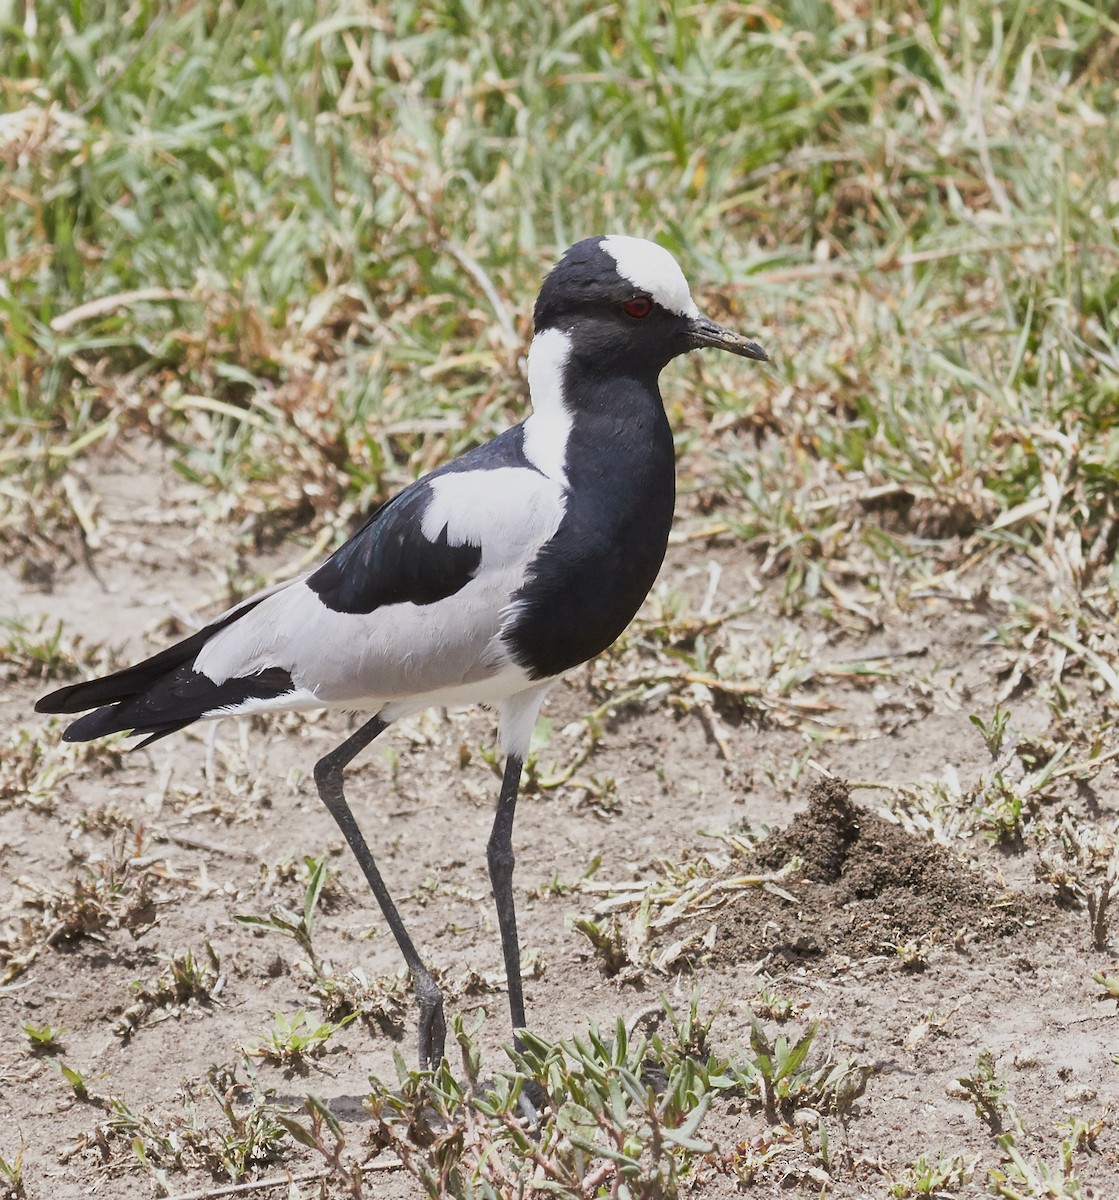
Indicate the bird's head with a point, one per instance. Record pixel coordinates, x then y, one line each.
624 303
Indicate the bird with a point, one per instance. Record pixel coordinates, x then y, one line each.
484 581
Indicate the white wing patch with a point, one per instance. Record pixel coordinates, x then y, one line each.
546 431
509 512
651 269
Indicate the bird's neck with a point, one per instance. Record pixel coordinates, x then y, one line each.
565 391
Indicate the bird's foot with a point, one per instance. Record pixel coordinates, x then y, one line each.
531 1101
432 1032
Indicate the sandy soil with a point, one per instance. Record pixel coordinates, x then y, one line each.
215 821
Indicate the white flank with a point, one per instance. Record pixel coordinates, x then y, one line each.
509 680
546 431
237 649
651 269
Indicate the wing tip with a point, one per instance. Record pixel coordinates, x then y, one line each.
56 701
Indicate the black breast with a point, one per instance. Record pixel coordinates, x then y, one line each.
588 581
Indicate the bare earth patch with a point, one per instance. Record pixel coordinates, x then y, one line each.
915 951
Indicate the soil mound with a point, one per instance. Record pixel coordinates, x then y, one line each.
864 887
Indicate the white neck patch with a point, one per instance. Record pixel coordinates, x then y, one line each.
651 269
546 431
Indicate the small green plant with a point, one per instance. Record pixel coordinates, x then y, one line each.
1000 807
777 1076
1021 1178
608 1131
1080 1134
912 955
690 1033
254 1132
994 732
44 1039
986 1089
190 978
11 1173
932 1178
298 926
76 1079
1109 983
38 653
608 941
183 979
774 1006
294 1038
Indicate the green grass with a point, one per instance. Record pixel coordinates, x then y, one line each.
325 227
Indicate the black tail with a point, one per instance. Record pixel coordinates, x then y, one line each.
161 694
174 701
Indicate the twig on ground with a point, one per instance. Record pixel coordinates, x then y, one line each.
258 1185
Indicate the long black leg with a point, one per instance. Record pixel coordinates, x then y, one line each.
499 855
328 779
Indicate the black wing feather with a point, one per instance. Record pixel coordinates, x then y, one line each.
390 561
133 681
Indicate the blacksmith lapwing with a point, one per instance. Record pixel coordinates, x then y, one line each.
484 581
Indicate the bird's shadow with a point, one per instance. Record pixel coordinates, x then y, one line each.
348 1108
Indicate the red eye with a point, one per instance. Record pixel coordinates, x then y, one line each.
639 306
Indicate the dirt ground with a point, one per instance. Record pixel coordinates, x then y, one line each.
915 953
